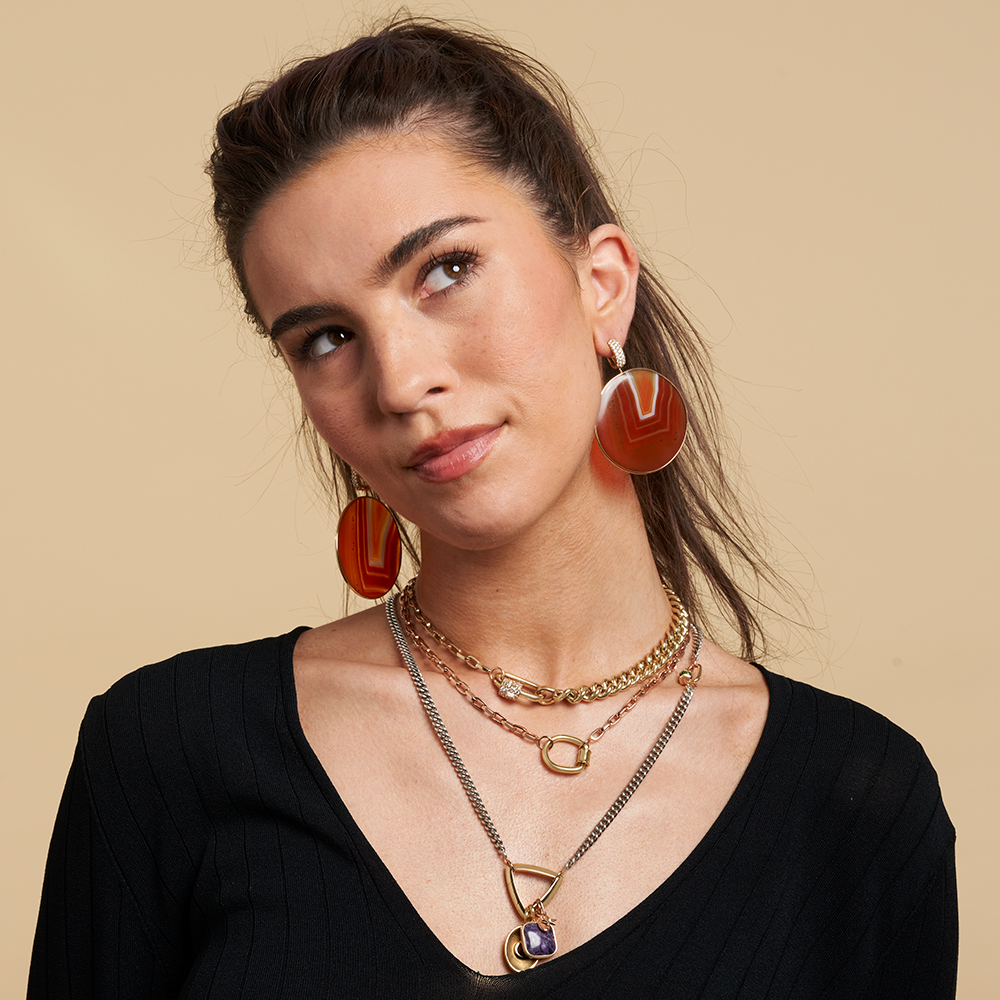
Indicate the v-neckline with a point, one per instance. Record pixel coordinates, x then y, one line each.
583 953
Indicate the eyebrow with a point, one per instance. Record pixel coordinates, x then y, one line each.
412 243
403 252
299 315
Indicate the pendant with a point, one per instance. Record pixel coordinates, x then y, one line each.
546 743
534 939
538 939
521 940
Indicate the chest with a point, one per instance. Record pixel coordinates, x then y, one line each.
402 791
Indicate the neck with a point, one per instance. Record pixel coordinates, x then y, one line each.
574 598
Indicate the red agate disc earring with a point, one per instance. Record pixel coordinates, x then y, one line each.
368 548
642 420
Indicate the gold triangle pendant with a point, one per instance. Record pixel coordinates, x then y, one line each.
510 871
534 939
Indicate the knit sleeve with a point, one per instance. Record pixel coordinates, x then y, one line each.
922 963
91 940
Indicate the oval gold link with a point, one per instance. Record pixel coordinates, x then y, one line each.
545 744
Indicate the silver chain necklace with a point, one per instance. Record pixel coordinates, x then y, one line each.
534 939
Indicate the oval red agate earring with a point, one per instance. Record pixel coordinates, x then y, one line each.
642 420
368 548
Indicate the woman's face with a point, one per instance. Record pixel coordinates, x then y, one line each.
441 344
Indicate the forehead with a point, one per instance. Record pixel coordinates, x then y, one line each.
385 184
349 209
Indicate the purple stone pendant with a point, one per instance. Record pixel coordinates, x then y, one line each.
533 939
538 941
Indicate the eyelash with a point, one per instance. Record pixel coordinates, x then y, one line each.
455 256
303 352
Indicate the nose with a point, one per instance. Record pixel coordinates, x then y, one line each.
409 366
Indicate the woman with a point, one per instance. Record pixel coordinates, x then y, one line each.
406 802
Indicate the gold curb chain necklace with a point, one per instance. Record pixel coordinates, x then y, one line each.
512 687
663 659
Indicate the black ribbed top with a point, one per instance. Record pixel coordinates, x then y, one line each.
200 851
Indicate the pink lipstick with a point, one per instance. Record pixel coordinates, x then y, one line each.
451 454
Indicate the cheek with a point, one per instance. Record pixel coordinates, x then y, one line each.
330 416
561 356
535 324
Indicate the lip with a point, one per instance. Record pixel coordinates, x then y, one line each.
451 454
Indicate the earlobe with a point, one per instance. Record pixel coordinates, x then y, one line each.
612 275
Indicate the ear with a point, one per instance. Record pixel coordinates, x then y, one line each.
609 280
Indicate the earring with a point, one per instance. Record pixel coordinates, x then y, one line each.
368 548
642 420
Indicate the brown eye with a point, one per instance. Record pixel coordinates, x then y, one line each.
444 275
326 341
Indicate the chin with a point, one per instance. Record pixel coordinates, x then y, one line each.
498 511
471 537
479 529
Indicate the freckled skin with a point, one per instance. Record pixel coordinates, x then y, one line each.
508 345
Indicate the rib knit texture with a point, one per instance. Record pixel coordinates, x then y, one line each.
201 851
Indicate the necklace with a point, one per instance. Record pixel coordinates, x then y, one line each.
534 938
512 687
544 743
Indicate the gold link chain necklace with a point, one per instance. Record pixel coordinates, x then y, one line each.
545 743
513 687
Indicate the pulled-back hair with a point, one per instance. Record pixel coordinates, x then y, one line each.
509 113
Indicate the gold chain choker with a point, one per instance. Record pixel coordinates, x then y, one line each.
545 743
512 687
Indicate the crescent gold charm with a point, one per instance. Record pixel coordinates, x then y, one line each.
513 952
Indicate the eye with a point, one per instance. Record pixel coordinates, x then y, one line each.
444 276
443 273
319 343
326 341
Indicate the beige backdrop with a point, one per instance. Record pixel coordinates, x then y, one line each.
819 181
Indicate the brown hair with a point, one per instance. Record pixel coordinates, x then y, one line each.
511 114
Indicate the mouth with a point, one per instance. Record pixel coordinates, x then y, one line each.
451 454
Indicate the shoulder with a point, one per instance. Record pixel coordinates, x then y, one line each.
851 804
363 638
832 726
172 716
347 661
341 670
862 774
190 676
